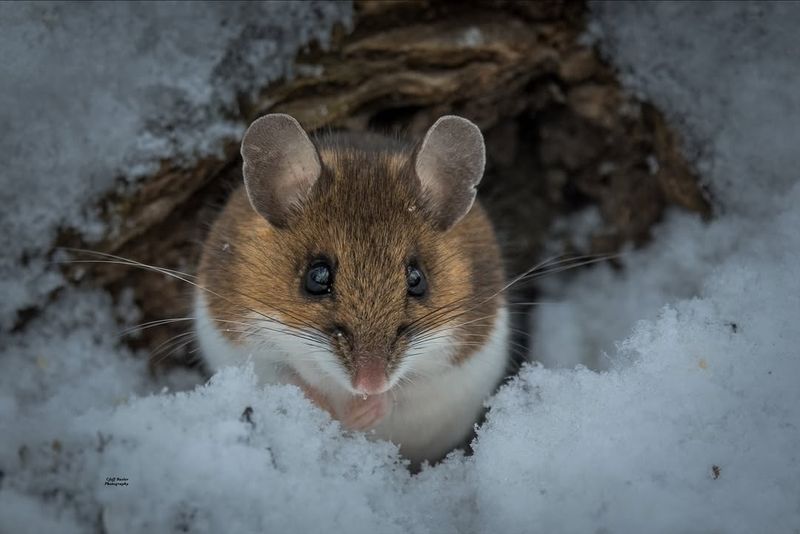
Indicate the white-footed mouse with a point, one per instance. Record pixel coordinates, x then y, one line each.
361 269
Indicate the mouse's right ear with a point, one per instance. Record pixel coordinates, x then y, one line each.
281 165
449 164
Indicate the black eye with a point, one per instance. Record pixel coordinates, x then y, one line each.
319 279
417 286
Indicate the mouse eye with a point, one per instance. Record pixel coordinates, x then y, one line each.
319 279
417 285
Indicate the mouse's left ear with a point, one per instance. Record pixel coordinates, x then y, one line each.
281 165
449 165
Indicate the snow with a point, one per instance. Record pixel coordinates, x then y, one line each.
691 425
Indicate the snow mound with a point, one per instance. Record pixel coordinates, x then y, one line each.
694 428
209 458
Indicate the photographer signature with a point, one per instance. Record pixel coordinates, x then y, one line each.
116 481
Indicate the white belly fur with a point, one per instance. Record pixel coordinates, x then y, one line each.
429 417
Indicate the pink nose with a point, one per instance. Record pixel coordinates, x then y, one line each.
370 376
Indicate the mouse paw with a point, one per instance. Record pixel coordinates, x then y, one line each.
363 414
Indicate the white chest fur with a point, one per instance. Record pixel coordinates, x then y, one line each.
433 416
430 416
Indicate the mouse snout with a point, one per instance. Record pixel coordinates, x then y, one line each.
370 377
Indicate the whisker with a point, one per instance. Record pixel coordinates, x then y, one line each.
161 322
184 277
444 310
169 343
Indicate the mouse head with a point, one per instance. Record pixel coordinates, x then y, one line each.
365 252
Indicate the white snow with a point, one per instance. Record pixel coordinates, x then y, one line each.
691 427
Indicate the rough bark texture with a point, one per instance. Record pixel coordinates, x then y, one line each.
561 135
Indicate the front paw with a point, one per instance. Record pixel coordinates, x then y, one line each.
363 414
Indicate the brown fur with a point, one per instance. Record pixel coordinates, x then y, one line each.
364 214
